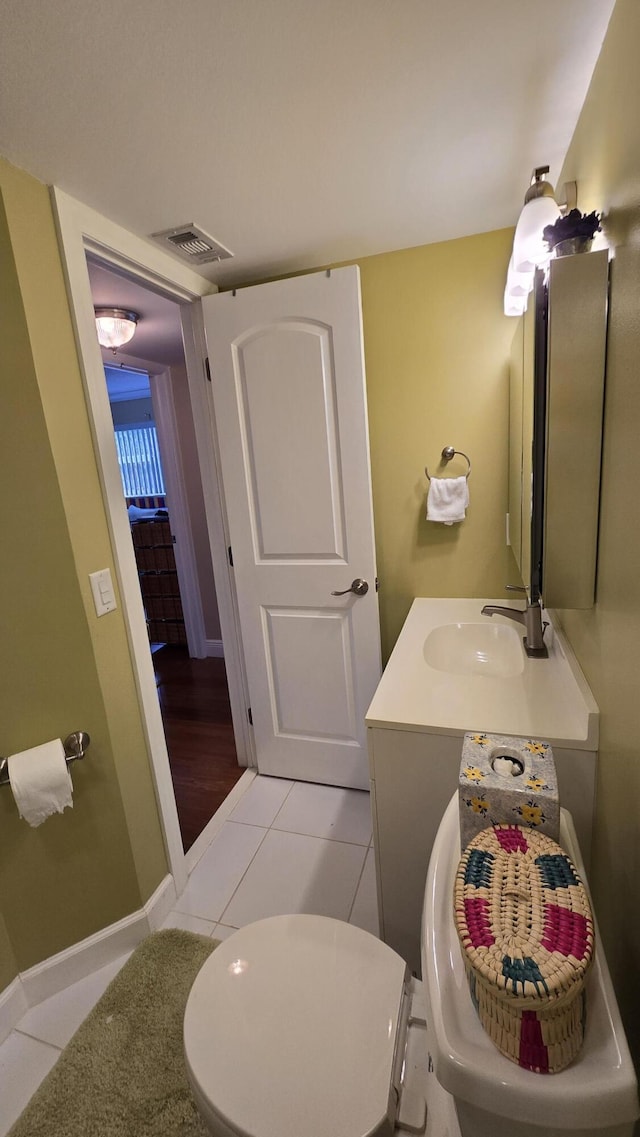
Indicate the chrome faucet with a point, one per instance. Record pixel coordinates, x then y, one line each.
531 617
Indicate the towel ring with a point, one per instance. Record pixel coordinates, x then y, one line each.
447 454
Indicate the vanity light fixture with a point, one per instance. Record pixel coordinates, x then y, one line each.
517 289
529 250
115 326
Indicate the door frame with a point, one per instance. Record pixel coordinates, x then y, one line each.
164 414
82 230
170 450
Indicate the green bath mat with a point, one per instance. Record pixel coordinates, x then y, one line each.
123 1072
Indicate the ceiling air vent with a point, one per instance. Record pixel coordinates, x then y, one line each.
192 244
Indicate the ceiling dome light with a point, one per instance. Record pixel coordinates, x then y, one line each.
115 326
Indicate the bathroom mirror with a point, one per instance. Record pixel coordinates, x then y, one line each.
556 407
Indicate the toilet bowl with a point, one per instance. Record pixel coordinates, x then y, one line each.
305 1026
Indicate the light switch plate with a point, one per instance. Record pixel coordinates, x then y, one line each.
103 595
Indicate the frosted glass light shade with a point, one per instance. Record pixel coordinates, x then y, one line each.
514 305
115 326
516 293
519 283
529 250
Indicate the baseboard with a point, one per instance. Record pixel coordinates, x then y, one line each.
214 648
13 1004
211 829
79 960
160 903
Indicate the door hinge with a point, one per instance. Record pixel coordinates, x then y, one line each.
249 716
230 555
207 368
377 584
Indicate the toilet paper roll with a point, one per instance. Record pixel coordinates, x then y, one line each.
40 781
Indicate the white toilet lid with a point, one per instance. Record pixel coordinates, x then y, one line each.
290 1028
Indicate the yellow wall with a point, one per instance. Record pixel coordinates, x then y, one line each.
62 669
604 158
437 359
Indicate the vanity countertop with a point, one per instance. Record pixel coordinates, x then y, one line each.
549 699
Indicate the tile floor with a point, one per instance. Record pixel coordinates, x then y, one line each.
286 847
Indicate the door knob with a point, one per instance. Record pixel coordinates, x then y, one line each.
359 587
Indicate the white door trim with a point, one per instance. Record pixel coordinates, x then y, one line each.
179 514
195 350
82 230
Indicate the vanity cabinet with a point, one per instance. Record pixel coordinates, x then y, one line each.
415 727
413 775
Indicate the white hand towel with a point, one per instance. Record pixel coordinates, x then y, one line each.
40 781
447 500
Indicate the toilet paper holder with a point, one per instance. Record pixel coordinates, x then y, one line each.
74 744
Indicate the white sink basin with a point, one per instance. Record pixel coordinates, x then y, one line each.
536 698
494 650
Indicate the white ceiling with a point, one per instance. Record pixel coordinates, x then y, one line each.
296 133
158 335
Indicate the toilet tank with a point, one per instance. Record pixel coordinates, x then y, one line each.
596 1096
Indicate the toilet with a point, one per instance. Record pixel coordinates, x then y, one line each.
305 1026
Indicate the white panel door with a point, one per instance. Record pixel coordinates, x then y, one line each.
290 408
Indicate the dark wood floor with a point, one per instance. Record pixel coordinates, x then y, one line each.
194 702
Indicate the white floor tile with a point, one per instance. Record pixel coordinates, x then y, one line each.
261 802
189 923
222 932
57 1018
24 1062
293 873
217 875
365 906
327 811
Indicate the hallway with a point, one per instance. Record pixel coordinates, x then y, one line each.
194 703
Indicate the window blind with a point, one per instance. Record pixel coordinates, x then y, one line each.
139 460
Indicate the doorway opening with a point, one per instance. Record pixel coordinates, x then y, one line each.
162 492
